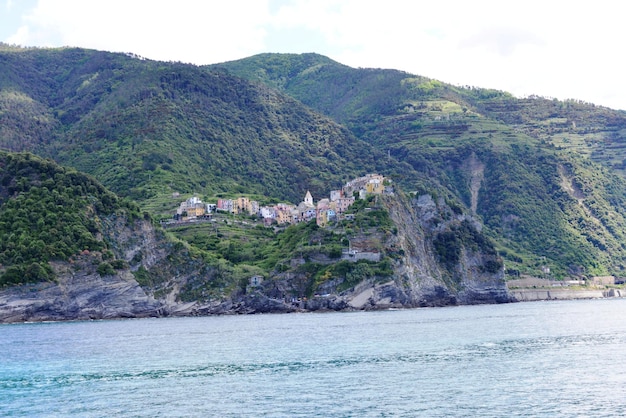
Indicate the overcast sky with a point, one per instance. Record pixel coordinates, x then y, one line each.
563 49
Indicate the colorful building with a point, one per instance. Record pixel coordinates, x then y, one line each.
191 208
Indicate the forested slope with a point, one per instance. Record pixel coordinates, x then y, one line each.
545 176
49 213
148 129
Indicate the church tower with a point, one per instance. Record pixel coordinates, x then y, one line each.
308 199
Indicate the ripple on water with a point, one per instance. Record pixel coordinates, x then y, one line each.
469 361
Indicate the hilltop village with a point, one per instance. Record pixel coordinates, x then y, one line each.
326 210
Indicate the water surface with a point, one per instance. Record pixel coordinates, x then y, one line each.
527 359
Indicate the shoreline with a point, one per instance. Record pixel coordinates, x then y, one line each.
538 294
24 309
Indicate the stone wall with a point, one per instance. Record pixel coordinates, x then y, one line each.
526 295
360 255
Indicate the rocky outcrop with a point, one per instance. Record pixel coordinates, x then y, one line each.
446 259
78 294
440 258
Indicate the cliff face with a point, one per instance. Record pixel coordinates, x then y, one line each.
79 293
446 258
442 259
439 257
149 285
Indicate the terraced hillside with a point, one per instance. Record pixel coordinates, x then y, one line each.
542 176
501 157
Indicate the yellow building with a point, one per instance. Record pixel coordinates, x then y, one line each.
191 208
242 205
196 211
375 186
284 217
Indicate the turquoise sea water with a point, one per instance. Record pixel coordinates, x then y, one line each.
526 359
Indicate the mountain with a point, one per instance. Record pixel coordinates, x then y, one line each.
544 176
540 178
72 249
402 104
147 129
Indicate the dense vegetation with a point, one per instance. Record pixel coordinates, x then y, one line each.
544 176
527 167
147 129
49 213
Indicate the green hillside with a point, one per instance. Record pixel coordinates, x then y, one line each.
366 99
147 129
49 213
543 175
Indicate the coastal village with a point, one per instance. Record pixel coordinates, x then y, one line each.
326 210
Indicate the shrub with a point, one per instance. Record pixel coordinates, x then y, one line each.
119 264
105 269
334 251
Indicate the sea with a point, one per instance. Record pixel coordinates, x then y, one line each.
533 359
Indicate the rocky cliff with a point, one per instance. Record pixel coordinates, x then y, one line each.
78 294
446 259
439 258
82 290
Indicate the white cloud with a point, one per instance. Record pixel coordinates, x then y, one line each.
501 40
553 48
190 31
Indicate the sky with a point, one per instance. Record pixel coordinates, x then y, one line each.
552 48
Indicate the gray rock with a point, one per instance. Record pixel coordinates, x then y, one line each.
419 279
78 297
